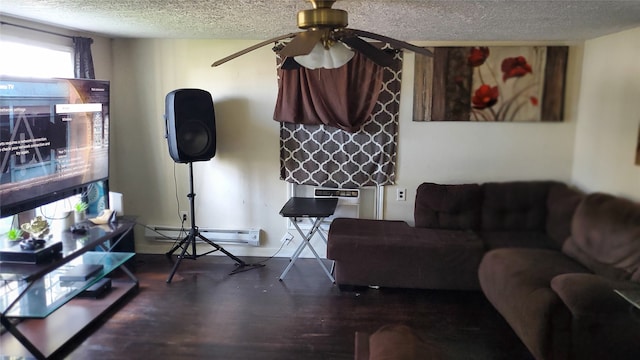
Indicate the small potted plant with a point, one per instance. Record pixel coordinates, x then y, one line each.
80 211
14 234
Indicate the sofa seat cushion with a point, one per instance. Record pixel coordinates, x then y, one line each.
605 236
515 206
518 284
448 206
450 258
520 239
348 236
392 254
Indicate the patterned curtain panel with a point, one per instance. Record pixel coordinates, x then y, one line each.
321 155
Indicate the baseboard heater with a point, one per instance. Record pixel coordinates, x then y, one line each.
170 234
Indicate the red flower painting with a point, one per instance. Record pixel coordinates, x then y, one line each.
485 97
478 56
515 67
505 100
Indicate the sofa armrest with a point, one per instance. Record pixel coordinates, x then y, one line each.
603 325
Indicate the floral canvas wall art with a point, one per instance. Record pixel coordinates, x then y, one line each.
497 83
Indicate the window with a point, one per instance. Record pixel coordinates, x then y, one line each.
35 61
29 53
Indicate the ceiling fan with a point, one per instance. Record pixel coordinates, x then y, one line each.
326 29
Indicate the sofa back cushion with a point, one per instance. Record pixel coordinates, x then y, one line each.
448 206
605 236
562 202
515 206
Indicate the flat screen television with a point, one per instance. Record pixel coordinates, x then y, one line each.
54 140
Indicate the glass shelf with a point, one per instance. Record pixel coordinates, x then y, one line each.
41 297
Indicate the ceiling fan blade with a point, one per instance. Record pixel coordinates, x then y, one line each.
376 55
251 48
302 43
393 42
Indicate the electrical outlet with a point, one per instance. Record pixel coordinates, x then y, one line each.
401 194
184 215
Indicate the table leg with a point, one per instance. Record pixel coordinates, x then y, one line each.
303 244
306 241
326 271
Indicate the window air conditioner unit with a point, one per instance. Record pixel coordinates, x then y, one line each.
348 201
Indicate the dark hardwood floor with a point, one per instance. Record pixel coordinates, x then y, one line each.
205 313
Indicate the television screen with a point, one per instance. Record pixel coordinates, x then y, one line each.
54 139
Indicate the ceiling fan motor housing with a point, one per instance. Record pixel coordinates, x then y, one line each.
322 15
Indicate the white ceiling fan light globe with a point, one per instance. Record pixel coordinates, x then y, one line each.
336 56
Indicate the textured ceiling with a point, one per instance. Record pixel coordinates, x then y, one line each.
444 20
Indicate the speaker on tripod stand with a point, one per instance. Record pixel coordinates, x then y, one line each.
191 135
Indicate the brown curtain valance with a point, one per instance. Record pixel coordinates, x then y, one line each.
342 97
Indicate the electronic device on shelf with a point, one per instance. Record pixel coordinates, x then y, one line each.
18 252
32 244
81 272
97 290
54 139
79 229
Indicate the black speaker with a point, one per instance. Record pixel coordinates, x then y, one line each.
190 125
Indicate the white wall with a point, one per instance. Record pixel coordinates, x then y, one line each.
609 113
240 187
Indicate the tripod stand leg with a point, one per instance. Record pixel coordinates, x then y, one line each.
221 249
177 246
241 264
186 240
194 234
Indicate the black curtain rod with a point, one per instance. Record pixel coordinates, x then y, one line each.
34 29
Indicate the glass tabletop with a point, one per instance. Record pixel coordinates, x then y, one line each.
39 298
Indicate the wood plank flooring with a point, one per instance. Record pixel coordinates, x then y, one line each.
205 313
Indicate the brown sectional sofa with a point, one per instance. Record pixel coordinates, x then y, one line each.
562 303
454 226
545 255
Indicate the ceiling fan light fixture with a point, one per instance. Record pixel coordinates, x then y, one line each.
334 57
